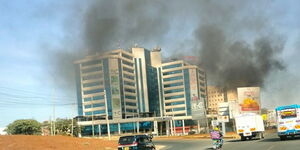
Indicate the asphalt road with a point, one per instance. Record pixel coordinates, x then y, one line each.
271 142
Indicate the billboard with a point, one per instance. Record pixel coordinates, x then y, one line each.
223 109
197 104
115 88
223 119
249 99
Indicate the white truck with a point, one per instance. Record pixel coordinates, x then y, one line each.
249 125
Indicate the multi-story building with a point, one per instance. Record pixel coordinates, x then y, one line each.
216 95
112 73
181 84
129 85
146 63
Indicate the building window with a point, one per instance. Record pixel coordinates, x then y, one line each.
175 103
129 83
172 66
172 72
128 77
90 77
97 112
98 97
127 63
92 91
130 97
128 70
173 84
94 62
131 110
87 106
92 84
174 91
88 113
130 104
93 69
87 99
130 90
173 78
174 97
99 105
126 56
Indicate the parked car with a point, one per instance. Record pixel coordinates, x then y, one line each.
136 142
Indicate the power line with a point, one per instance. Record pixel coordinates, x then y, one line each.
35 93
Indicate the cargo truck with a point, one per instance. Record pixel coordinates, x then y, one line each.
288 121
249 125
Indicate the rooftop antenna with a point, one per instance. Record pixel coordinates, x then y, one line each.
119 44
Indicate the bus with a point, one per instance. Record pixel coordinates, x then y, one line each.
288 121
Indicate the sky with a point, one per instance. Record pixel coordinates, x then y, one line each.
32 30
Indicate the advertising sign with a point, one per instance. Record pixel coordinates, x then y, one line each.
214 123
197 104
115 88
223 109
249 99
223 119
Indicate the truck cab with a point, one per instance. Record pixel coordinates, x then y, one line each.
288 121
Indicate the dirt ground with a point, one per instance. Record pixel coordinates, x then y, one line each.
29 142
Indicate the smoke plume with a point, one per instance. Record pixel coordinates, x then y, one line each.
233 40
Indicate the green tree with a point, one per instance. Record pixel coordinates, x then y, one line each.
63 126
24 126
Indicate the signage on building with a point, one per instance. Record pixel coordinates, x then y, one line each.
223 109
214 123
197 104
198 110
115 88
223 118
249 99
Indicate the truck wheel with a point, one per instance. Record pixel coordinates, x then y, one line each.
282 138
243 138
260 136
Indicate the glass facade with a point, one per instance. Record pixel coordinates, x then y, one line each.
187 92
142 87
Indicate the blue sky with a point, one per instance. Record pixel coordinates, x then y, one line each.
27 83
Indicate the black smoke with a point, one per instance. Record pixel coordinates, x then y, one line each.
233 40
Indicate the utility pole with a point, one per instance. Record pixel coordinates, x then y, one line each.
54 129
51 129
106 111
72 127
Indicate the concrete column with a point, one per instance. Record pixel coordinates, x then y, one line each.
199 129
171 124
138 127
183 127
155 127
174 127
99 128
168 128
119 128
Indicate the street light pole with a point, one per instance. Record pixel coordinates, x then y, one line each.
106 113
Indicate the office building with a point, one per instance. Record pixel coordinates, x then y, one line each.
181 84
112 73
216 95
137 91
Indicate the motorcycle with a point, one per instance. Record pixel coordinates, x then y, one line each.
217 144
